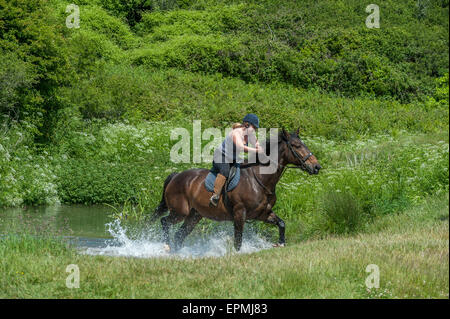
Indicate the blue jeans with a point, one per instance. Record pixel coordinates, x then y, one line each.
221 168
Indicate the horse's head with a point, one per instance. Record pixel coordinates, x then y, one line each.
296 152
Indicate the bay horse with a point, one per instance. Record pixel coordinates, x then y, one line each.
186 198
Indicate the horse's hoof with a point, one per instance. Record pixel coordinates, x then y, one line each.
166 248
278 245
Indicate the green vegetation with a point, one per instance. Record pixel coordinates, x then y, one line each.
86 116
87 113
411 250
300 45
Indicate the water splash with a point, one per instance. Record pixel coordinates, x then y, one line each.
146 243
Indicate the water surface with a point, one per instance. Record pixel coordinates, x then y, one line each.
66 220
95 232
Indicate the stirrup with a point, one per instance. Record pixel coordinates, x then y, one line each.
214 200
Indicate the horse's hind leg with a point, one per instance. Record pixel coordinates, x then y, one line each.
187 227
167 221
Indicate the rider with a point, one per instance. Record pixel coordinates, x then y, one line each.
227 153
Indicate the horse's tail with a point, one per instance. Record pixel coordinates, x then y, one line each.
162 207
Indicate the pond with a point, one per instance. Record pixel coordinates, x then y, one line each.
73 220
94 231
85 226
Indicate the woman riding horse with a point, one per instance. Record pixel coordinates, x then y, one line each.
228 153
186 199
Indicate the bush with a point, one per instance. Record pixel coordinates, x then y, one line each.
341 213
100 22
92 182
280 42
16 80
31 30
130 10
26 178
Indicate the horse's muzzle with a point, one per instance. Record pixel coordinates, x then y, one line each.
315 169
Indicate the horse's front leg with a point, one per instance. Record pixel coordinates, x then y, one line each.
239 222
275 220
187 227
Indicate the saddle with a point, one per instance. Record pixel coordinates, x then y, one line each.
232 180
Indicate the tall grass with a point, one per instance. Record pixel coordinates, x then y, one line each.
29 244
342 213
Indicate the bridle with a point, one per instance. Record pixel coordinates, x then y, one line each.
284 167
301 159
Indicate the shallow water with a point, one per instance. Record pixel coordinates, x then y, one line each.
94 232
146 243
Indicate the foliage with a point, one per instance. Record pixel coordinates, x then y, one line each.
305 44
31 35
16 79
87 113
25 176
311 46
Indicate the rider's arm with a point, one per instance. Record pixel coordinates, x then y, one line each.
239 141
253 140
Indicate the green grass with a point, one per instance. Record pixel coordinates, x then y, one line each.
410 248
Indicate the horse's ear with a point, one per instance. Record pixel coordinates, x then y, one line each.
284 134
297 131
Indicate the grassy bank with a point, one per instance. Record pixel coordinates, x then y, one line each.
410 249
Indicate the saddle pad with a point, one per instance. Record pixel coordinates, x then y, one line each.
211 178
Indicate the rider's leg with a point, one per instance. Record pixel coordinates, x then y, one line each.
224 170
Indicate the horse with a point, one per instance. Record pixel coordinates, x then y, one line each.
186 198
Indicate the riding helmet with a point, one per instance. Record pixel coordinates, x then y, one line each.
252 119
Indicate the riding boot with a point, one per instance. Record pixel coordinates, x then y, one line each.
218 185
